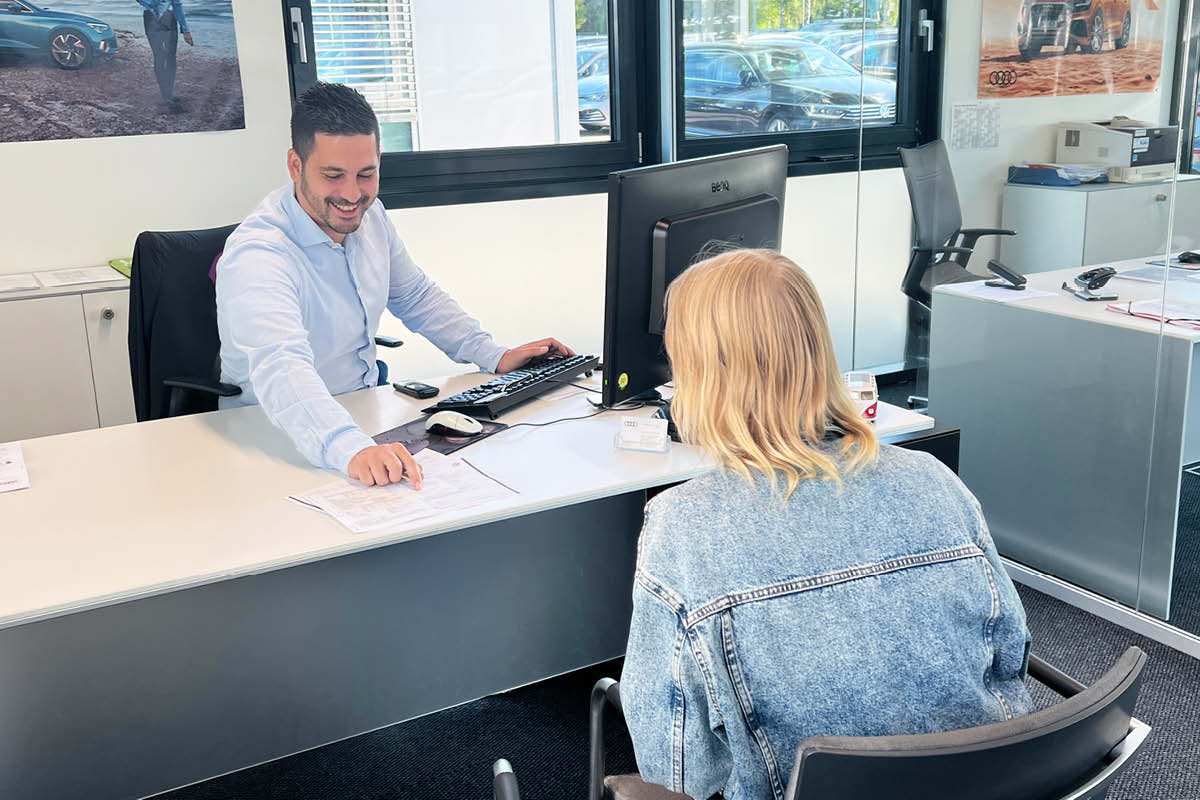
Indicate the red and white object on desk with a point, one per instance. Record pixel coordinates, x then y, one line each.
864 393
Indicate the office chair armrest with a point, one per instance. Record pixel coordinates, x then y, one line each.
201 385
972 235
1118 759
604 692
504 781
388 341
1051 676
977 232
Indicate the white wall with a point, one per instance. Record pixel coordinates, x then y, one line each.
534 268
83 201
493 60
1027 125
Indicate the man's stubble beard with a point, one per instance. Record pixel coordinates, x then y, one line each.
321 208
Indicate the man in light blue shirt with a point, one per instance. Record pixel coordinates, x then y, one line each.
303 281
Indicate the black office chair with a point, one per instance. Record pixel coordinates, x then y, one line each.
174 349
942 252
1072 750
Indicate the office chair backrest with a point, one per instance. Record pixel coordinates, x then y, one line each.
173 314
931 191
1042 755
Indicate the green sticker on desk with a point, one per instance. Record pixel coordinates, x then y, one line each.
122 265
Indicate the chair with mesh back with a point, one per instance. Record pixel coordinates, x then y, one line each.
943 248
174 348
1072 750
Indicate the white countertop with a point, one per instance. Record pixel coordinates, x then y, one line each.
1064 304
135 510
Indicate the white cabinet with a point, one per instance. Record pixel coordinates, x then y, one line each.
106 318
1074 226
64 357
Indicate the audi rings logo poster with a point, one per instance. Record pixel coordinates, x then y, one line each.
1031 48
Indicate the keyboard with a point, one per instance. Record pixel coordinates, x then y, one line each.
512 388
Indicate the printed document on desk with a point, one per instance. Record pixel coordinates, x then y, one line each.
1172 312
448 484
17 283
997 294
1154 274
13 475
70 277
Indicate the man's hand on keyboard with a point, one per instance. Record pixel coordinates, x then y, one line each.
383 464
519 356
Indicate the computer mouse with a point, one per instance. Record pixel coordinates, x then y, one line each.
1189 257
452 423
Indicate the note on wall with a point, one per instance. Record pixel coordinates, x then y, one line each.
975 126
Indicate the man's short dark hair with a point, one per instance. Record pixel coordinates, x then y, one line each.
330 108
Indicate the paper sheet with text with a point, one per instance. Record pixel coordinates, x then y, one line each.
13 475
70 277
449 483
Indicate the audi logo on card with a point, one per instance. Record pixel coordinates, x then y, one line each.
1003 77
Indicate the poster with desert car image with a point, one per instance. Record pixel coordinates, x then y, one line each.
86 68
1031 48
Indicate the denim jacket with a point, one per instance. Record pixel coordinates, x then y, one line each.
876 608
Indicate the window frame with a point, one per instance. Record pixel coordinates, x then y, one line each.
645 55
918 97
440 177
1186 82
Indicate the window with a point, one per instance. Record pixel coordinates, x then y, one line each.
806 72
481 100
1185 102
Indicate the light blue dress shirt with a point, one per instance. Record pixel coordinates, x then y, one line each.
297 316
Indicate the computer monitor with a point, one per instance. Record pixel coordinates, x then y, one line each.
660 219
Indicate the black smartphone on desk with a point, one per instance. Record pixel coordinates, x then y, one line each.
421 391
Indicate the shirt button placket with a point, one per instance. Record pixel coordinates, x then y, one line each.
348 252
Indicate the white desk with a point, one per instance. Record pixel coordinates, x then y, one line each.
159 591
1076 422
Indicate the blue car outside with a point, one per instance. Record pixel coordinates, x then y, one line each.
71 40
593 102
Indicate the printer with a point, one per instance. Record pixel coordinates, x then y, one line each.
1133 151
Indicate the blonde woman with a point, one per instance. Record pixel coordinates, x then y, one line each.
817 582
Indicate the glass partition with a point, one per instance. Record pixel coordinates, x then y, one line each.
1071 401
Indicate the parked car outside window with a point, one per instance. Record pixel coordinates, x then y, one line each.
596 63
878 58
776 86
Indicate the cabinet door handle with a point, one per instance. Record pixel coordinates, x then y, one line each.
1160 198
107 313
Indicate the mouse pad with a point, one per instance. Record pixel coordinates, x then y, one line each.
415 438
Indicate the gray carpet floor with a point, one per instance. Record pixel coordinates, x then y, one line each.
1083 646
1185 583
542 729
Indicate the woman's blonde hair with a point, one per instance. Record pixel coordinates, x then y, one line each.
756 381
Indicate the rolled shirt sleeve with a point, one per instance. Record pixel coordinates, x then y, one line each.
425 308
261 303
177 7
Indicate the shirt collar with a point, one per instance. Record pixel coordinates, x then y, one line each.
304 230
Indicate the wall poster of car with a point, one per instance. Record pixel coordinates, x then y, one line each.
74 69
1035 48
